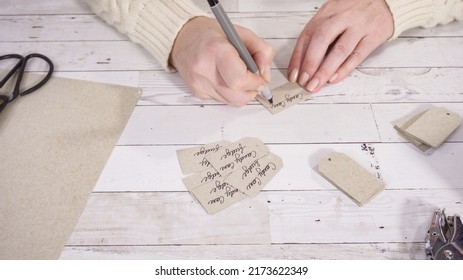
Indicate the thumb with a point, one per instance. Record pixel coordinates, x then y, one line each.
262 52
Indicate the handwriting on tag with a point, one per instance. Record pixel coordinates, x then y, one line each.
194 159
252 177
351 178
236 154
201 178
217 195
284 97
226 173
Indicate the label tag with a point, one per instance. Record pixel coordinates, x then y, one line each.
252 177
217 195
194 159
284 97
201 178
351 178
433 126
237 154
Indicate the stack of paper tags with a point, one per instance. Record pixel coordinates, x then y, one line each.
225 173
285 97
430 128
351 178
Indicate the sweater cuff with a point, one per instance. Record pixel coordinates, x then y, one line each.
166 19
408 14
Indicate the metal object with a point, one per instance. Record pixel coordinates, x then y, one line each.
20 68
444 240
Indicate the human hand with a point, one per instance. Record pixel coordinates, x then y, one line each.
212 68
337 39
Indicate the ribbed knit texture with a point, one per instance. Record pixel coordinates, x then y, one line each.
408 14
154 24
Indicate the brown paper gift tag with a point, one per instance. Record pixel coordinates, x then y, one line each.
351 178
284 97
237 154
434 126
217 195
201 178
194 159
402 126
252 177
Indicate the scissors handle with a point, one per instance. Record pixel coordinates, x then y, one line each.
21 65
18 65
3 101
21 73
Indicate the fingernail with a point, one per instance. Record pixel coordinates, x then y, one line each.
333 78
293 75
303 78
313 84
265 73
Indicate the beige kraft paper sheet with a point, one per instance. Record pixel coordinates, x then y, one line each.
54 144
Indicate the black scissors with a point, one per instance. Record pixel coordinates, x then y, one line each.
21 67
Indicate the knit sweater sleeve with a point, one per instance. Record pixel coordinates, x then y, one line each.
154 24
408 14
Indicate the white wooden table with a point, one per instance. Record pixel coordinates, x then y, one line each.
140 208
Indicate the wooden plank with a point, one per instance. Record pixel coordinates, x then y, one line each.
73 7
279 6
271 217
205 124
57 28
91 28
368 85
327 217
51 7
358 251
89 56
112 55
157 167
170 218
386 116
450 29
228 5
408 168
123 78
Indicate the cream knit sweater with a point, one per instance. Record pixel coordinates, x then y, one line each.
408 14
155 23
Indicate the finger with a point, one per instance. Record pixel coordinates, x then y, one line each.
203 88
322 38
358 55
235 98
299 51
261 51
337 54
235 74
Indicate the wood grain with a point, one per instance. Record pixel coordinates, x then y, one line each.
140 208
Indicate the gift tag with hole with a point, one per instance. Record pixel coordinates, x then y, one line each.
351 178
434 126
